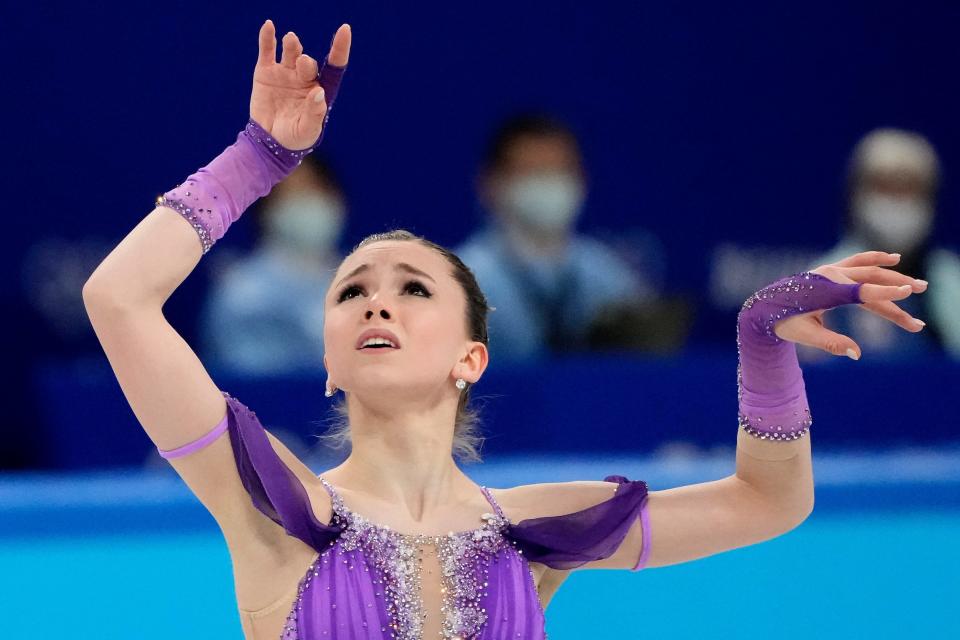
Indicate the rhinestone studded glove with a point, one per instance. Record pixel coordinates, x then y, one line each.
215 196
772 397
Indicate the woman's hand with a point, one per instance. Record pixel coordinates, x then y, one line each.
880 288
287 99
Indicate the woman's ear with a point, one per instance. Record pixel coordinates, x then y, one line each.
473 363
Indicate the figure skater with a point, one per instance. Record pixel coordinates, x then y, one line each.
397 542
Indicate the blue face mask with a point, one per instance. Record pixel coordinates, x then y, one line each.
309 222
547 201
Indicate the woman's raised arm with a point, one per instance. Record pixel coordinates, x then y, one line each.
161 377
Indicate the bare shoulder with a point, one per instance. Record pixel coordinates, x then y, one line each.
260 547
246 526
552 498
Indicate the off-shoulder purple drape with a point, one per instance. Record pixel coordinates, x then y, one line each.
594 533
274 489
360 584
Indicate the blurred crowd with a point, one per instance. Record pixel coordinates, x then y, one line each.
255 308
553 288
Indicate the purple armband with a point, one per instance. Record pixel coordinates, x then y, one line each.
645 527
772 397
216 195
198 444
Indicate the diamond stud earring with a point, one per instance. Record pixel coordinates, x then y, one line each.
330 390
461 384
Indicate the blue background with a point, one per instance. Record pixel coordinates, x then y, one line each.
700 122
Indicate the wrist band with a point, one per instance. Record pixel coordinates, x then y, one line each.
771 394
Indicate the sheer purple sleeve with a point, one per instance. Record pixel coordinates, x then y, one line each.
274 489
571 540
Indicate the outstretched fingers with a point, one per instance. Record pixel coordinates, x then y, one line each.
879 275
896 315
868 259
884 292
879 298
268 44
340 47
291 50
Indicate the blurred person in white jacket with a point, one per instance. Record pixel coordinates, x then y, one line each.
264 315
893 180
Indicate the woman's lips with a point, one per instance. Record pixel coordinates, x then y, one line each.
375 350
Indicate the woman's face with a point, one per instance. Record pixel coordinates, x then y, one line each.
406 289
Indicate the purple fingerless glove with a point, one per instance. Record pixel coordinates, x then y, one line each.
772 397
215 196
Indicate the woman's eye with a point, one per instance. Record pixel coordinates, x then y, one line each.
415 285
344 294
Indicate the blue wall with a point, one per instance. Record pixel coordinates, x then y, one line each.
700 123
733 120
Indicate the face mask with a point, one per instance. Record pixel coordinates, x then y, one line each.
547 201
307 221
899 224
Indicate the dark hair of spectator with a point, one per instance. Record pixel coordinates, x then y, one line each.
526 125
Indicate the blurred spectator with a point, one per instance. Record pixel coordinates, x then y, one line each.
552 288
892 191
265 311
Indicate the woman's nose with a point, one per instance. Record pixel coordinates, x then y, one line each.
383 314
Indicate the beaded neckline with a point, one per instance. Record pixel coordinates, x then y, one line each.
495 521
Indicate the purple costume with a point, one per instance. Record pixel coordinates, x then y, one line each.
365 582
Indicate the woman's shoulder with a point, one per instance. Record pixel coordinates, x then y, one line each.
566 525
545 499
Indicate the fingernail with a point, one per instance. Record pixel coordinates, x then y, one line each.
904 287
919 322
921 282
319 97
895 255
852 354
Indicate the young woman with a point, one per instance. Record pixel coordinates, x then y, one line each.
397 542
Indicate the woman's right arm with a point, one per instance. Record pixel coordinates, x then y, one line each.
166 385
168 389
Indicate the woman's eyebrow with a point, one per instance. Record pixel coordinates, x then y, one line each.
400 266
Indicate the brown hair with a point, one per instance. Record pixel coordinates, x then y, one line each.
466 439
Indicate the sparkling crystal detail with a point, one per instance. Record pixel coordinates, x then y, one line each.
752 425
196 221
464 559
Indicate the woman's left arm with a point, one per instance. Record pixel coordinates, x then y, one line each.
771 491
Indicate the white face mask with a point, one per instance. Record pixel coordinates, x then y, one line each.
900 224
306 221
547 201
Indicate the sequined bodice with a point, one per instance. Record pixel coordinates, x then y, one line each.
391 564
365 582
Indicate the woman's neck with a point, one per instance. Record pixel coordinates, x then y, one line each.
405 459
